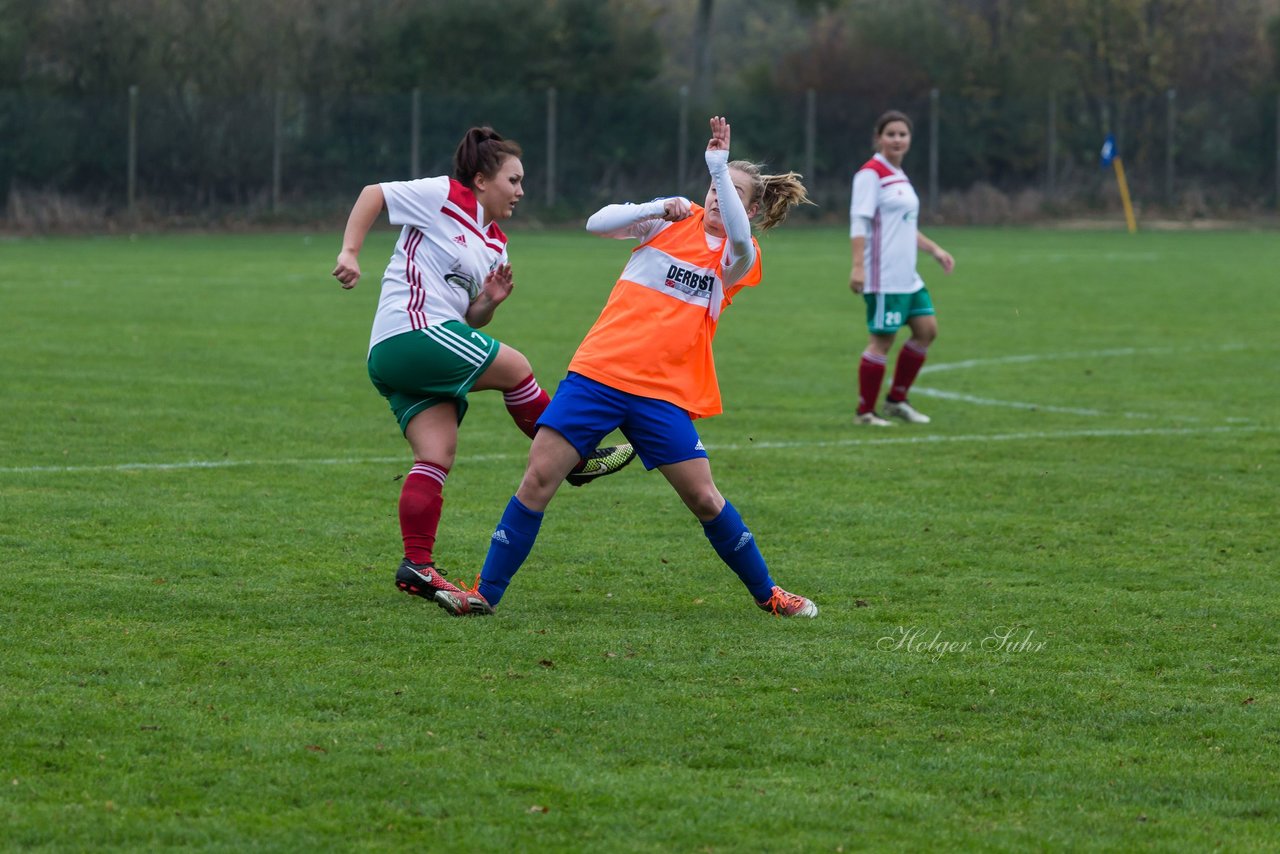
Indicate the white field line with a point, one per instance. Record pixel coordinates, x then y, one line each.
1038 407
229 464
1083 354
834 443
1014 404
1004 437
1038 435
1053 357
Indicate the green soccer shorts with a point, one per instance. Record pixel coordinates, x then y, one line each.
419 369
886 313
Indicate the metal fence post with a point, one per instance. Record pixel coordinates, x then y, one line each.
682 141
415 131
1052 133
933 151
1170 129
551 146
810 132
276 150
131 156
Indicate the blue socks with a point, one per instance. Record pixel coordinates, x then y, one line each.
736 547
514 537
508 547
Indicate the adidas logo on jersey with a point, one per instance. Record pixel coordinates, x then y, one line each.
460 239
698 447
500 536
742 541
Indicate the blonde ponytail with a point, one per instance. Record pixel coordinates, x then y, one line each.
777 194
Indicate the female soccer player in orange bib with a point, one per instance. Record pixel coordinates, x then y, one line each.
646 368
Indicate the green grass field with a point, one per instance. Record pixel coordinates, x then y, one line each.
204 649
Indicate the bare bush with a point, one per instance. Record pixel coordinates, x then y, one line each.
39 211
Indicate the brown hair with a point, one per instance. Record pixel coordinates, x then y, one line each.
482 152
777 194
884 121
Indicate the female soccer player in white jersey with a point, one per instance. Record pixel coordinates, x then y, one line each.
448 274
883 229
646 367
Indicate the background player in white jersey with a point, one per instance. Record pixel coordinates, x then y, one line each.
448 274
883 230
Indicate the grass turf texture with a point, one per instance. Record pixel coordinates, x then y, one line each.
204 647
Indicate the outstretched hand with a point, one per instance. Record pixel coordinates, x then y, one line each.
719 134
498 284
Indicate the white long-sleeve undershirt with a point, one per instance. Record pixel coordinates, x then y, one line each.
627 220
740 252
622 221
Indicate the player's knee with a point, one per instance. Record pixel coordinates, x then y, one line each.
541 480
537 488
705 502
517 363
507 371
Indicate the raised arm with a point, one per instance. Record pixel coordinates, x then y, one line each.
739 250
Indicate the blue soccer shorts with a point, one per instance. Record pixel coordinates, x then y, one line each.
585 411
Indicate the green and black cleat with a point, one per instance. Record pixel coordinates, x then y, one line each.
602 462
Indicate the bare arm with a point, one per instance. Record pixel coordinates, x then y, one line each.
942 256
862 210
364 213
858 276
496 288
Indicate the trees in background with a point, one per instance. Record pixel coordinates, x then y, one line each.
209 71
1109 67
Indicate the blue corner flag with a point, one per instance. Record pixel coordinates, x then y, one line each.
1109 150
1111 157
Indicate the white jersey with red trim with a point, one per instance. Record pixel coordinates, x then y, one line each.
440 262
884 197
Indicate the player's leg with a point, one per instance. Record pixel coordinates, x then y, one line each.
551 457
721 523
511 373
667 440
424 380
582 413
924 329
731 538
871 369
432 435
883 322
